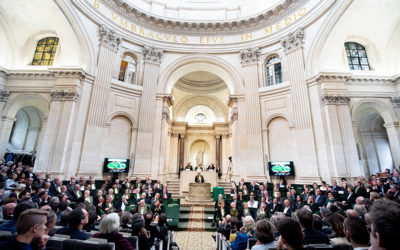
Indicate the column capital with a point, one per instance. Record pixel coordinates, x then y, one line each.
293 40
396 101
234 114
391 125
109 38
335 99
64 95
249 55
152 55
4 95
165 113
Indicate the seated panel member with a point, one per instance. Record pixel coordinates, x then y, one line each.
86 197
199 178
211 167
108 204
198 168
142 208
122 204
188 167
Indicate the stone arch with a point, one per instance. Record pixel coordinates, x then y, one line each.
30 46
210 101
191 63
278 115
121 113
386 111
24 100
370 49
280 139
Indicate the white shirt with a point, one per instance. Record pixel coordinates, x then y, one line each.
253 204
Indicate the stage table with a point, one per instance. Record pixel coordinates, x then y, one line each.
199 192
188 177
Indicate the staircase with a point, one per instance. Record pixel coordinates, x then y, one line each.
226 185
196 217
174 187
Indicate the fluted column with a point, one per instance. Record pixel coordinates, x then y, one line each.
307 161
181 151
6 123
91 163
343 149
393 132
254 155
218 146
147 113
167 101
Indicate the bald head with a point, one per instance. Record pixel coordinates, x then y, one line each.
8 209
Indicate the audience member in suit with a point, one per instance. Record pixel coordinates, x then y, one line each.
122 204
76 193
165 194
76 220
253 187
263 210
143 197
150 227
382 187
140 231
276 207
319 198
360 190
86 198
252 202
310 202
234 191
350 199
299 202
287 209
225 227
356 232
311 236
108 205
222 211
306 194
142 208
234 211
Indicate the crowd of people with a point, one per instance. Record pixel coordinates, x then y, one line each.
34 206
365 215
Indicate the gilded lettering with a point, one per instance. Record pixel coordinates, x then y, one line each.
278 26
167 37
268 30
302 11
201 40
123 24
150 35
222 39
141 31
175 41
295 17
215 39
158 35
184 39
288 21
249 36
207 40
114 16
96 4
133 27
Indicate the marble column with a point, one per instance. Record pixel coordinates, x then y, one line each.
181 151
174 153
6 123
307 160
218 151
393 132
91 163
235 142
147 113
343 149
167 102
254 154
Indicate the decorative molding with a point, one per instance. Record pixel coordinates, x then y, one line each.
396 101
234 114
293 40
187 27
249 55
109 38
335 100
4 95
165 113
152 55
50 73
64 95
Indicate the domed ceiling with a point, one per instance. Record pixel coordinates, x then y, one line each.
200 81
204 10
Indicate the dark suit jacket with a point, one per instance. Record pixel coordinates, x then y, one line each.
199 179
73 233
319 200
118 205
351 200
219 213
289 211
276 208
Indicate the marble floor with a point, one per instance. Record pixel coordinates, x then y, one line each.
187 240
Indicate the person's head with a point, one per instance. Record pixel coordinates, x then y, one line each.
360 200
141 203
287 203
305 218
356 231
77 187
245 205
22 207
317 222
8 210
374 196
248 223
264 231
291 234
78 218
360 209
299 198
385 217
137 224
335 221
162 219
51 220
54 203
63 206
32 222
109 223
108 199
148 217
310 199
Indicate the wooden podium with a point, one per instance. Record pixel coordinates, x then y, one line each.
199 192
187 177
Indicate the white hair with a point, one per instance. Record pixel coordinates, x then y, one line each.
248 223
109 223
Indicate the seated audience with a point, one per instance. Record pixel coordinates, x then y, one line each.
335 221
109 226
140 231
264 235
311 235
11 225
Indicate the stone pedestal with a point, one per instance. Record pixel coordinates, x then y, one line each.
187 177
199 192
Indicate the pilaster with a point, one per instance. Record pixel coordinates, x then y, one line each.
148 115
254 154
307 160
393 131
109 44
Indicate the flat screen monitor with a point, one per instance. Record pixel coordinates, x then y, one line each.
281 168
116 165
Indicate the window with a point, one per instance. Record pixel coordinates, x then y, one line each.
200 117
356 56
45 51
273 71
127 70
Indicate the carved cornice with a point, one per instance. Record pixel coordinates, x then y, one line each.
64 95
396 101
335 100
249 55
109 38
187 27
293 40
50 73
152 55
4 95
